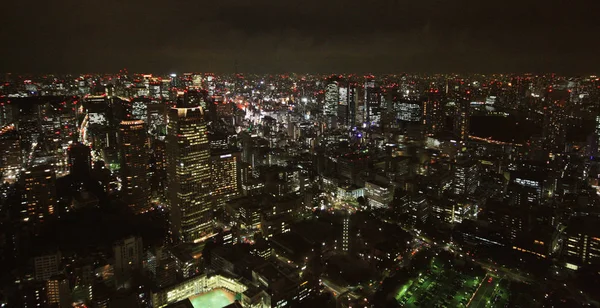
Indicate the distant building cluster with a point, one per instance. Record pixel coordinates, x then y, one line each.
299 190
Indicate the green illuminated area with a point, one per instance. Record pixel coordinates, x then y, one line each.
213 299
445 287
491 292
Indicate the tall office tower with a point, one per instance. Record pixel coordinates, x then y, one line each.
46 266
332 99
210 83
80 161
466 177
156 122
596 142
134 165
139 108
372 104
408 111
158 173
433 113
58 291
188 174
128 254
11 159
462 118
555 117
39 198
346 108
351 101
7 113
32 294
225 175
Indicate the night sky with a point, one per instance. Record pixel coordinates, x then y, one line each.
378 36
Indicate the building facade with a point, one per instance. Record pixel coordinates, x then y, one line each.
189 174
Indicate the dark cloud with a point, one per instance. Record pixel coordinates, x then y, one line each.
306 36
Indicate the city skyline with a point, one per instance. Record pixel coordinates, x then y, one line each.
299 154
299 190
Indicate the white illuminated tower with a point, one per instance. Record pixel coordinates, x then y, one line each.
346 233
332 98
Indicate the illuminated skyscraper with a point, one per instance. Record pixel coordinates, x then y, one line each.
158 171
225 174
372 104
466 177
332 98
348 96
433 113
10 153
39 199
59 293
462 118
134 165
408 111
188 174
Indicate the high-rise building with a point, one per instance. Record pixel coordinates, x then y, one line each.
158 167
80 161
156 120
379 195
7 113
32 294
332 97
347 103
128 255
433 113
139 108
134 165
330 106
408 111
189 174
39 198
466 177
10 153
555 126
582 242
462 118
225 175
46 266
595 151
58 291
372 104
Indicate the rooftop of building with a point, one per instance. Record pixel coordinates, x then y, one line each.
587 225
187 252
